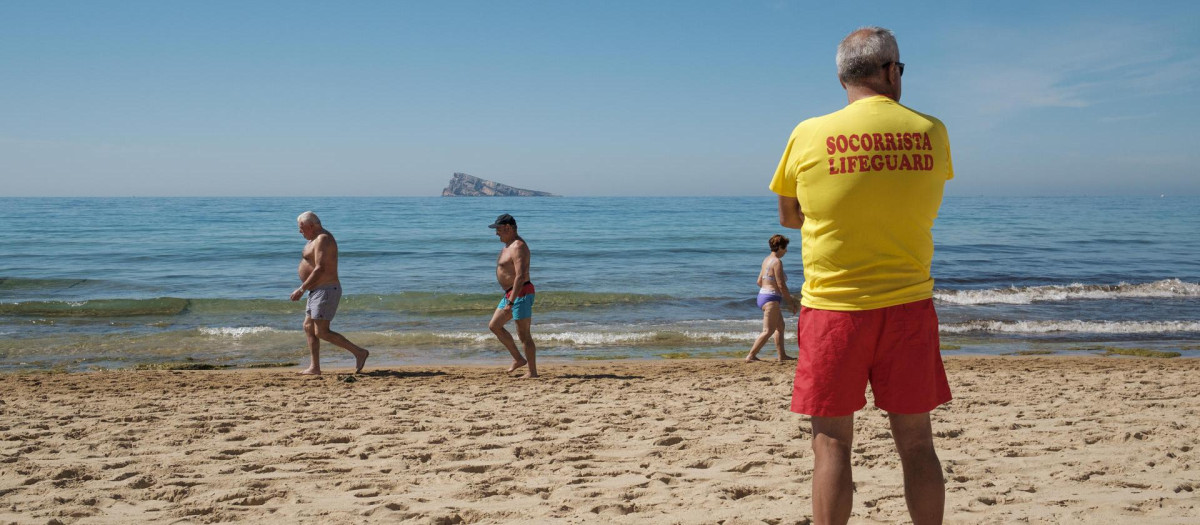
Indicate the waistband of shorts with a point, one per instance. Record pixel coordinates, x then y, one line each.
326 287
526 289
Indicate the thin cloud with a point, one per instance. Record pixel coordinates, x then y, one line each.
1085 66
1126 118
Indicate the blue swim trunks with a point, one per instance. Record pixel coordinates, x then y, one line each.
522 306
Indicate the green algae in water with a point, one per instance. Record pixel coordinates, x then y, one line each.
602 357
676 355
1139 352
950 347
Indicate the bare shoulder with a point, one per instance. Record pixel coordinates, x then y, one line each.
325 240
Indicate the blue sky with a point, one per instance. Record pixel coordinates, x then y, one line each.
578 98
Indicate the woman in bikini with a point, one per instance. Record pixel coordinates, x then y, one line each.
772 294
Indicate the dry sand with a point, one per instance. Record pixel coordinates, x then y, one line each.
1055 440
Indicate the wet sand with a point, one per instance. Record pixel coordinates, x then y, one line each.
1053 440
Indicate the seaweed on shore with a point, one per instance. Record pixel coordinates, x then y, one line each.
179 366
281 364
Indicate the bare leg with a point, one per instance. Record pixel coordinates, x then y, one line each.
360 354
924 487
779 326
497 327
527 342
768 329
314 347
833 483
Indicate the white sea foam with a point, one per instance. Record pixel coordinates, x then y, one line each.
1090 327
1167 288
238 331
590 338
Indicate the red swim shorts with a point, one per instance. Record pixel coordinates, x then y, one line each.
896 349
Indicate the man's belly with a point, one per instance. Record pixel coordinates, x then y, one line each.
305 270
505 279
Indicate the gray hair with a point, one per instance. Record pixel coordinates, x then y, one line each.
308 217
863 52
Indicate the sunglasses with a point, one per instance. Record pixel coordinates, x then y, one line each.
899 65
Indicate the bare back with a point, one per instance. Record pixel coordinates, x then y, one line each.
769 275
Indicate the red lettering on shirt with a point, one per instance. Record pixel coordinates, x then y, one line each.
878 142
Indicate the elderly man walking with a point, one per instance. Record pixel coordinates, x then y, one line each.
863 185
319 277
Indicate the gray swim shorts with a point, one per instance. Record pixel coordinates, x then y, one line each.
323 302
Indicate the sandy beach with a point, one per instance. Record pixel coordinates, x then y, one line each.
1027 439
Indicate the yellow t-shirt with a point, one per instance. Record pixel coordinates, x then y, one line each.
869 180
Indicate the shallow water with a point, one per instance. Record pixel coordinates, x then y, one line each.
114 282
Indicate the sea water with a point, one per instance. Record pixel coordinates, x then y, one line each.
102 283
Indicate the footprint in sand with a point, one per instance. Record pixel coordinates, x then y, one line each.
736 493
613 510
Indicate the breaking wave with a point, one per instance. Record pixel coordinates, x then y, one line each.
1082 327
1167 288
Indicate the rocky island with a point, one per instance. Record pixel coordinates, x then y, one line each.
463 185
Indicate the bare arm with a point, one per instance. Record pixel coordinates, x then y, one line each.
521 270
321 253
790 215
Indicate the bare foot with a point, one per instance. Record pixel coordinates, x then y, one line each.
752 358
528 376
517 364
360 360
785 357
310 372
